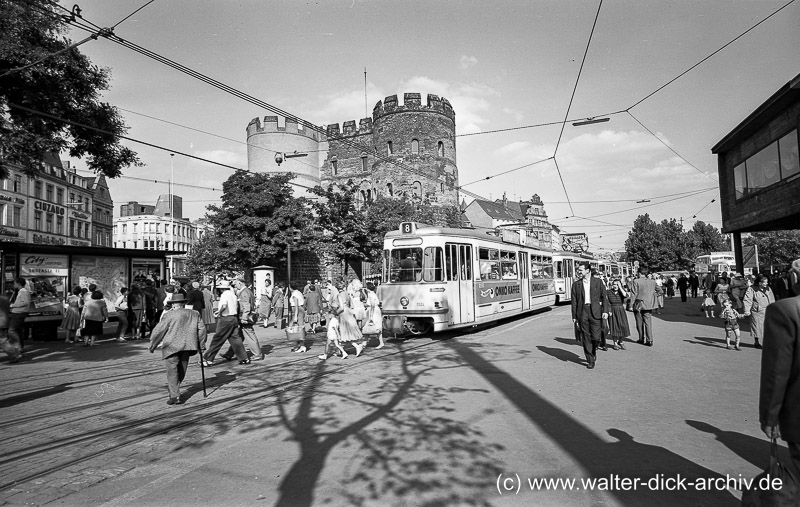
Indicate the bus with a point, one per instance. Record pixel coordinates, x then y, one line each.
716 262
436 278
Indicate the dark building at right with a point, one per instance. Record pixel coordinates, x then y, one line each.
759 169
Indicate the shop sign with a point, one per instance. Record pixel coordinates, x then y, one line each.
42 239
48 207
77 242
38 265
8 232
78 214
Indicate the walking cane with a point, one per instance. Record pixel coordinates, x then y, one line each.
202 367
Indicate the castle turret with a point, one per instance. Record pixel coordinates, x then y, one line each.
266 139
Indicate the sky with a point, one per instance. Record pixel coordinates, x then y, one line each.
504 66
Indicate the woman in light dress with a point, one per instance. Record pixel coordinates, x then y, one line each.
349 330
72 314
756 300
374 317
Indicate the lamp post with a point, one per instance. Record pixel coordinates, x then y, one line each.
171 215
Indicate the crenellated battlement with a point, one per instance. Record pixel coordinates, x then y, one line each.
413 102
349 128
292 126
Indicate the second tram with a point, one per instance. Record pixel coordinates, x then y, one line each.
435 279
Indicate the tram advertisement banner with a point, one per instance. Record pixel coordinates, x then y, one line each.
110 274
499 291
542 287
47 277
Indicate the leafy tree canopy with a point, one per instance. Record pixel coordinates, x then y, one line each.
61 82
253 225
775 248
667 246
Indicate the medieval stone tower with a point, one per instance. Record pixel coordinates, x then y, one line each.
407 149
403 149
267 138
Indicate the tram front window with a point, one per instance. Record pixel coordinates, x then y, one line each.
404 265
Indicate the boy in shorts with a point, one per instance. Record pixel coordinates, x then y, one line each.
729 315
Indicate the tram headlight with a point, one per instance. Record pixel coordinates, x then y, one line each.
404 301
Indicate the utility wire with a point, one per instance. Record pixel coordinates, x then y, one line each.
709 56
634 200
653 204
37 62
671 149
505 172
569 106
128 138
704 207
131 14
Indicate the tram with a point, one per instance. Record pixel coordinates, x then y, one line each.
564 272
436 278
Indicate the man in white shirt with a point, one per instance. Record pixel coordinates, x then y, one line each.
19 311
227 326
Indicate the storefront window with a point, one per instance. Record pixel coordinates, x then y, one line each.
790 161
739 180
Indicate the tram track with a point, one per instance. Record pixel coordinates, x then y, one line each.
130 432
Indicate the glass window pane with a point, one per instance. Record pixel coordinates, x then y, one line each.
790 162
739 180
762 168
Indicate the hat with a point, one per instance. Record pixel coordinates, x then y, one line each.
196 285
178 298
223 284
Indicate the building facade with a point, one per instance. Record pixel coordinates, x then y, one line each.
48 208
759 169
154 228
528 218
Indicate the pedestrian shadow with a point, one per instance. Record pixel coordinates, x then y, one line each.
561 354
751 449
625 458
219 379
34 395
707 341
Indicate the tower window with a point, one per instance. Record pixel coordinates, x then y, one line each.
335 166
390 189
415 147
440 149
442 184
364 163
389 149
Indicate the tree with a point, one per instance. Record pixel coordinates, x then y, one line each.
704 238
40 71
254 224
775 248
642 242
342 231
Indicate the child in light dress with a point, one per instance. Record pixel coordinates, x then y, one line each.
731 325
708 304
333 336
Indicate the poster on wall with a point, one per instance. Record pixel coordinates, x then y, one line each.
110 274
147 269
46 277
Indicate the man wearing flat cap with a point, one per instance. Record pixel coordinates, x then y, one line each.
180 332
779 400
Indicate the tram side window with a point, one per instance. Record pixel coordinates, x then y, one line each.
433 265
466 262
508 264
489 260
547 268
560 269
451 261
404 265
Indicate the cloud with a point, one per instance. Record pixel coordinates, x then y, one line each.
516 115
232 158
344 106
468 61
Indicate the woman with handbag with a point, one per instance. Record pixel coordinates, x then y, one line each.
373 323
72 314
756 300
349 330
313 308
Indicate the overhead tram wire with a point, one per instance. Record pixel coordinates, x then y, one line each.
131 14
248 98
569 106
634 200
704 207
653 204
504 172
128 138
709 56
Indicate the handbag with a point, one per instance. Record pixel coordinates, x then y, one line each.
760 493
295 333
638 305
371 328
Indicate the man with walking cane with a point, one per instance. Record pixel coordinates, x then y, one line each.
180 332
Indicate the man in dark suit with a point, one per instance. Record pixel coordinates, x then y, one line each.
778 404
589 306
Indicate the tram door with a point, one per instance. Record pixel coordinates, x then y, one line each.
569 274
524 279
460 273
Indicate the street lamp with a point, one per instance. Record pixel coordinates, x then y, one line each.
280 157
590 121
